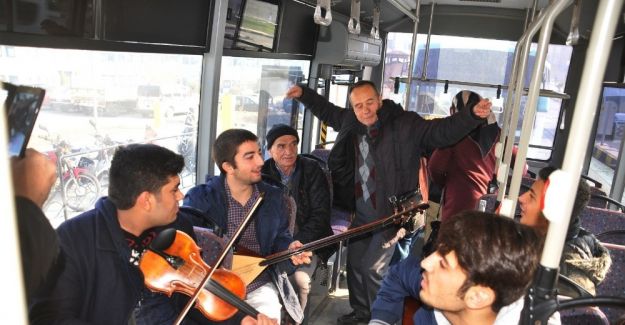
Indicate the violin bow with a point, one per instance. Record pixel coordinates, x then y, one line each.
222 256
249 267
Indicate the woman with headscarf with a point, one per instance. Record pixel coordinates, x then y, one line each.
465 169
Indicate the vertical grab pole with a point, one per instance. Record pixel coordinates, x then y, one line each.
413 56
608 14
14 309
549 16
540 302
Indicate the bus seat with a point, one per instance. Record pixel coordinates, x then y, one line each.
321 153
583 315
598 220
614 282
211 246
526 182
601 201
489 202
595 197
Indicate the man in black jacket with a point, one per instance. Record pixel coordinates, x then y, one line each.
376 155
306 182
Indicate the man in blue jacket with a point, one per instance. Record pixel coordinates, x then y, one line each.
101 283
478 274
376 155
227 198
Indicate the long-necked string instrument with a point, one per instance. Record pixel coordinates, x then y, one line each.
249 267
166 272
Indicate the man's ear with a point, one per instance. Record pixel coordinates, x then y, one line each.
479 297
227 167
143 201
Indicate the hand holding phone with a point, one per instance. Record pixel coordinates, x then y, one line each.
22 106
497 105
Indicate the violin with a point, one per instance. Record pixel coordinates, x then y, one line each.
172 263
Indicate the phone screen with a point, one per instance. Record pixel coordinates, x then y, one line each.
22 105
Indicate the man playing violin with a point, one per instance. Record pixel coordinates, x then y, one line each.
227 198
101 283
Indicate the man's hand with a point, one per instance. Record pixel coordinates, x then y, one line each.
482 109
261 320
33 176
301 258
294 92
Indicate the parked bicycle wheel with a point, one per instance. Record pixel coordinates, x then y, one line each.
81 192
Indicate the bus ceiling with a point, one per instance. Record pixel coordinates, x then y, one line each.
502 19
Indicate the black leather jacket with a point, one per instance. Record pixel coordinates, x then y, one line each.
312 198
403 137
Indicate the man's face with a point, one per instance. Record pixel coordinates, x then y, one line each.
366 103
442 279
248 164
530 206
284 152
166 201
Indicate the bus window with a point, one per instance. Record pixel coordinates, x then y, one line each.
609 136
487 61
396 64
251 93
98 100
148 99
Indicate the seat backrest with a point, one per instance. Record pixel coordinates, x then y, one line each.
489 202
211 246
614 282
598 220
321 153
340 220
595 197
583 315
605 202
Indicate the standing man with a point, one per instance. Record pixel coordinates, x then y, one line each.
229 197
376 155
306 182
101 282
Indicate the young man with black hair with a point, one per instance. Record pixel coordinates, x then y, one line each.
227 198
376 155
584 259
478 274
101 283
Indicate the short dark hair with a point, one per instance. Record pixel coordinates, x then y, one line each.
581 198
363 83
227 144
494 251
137 168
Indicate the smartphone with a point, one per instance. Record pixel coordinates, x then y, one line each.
497 105
22 105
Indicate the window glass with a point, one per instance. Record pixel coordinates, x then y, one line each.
609 136
251 94
488 62
96 101
396 64
251 27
